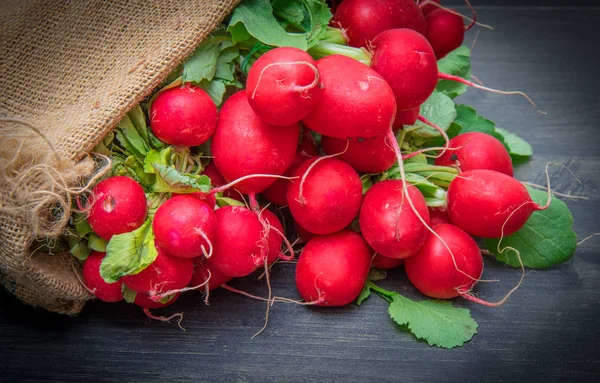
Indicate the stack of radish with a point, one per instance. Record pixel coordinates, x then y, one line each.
262 146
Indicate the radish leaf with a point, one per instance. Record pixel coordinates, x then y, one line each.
516 145
547 238
457 63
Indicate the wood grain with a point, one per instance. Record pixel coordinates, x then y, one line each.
548 331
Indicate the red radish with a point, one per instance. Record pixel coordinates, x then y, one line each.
489 204
406 117
165 274
276 193
432 270
427 7
333 269
475 150
118 206
405 59
385 263
184 225
275 239
107 292
445 31
356 102
303 234
183 116
201 273
370 155
389 224
362 20
282 86
244 145
216 179
437 216
237 247
144 301
327 195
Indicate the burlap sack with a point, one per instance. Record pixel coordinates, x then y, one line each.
69 70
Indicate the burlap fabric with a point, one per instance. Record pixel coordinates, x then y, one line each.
69 70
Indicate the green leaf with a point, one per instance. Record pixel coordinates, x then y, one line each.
516 145
128 294
129 253
364 294
202 64
255 18
457 63
226 201
226 62
367 182
436 322
130 139
547 238
135 167
469 121
96 243
82 226
80 250
377 275
308 16
178 181
138 119
215 89
438 109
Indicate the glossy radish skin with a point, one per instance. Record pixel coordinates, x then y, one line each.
385 263
118 205
144 301
370 155
331 195
333 269
166 273
179 224
405 59
201 273
362 20
406 117
243 145
282 86
445 31
481 201
388 223
275 240
437 216
355 100
183 116
276 193
432 269
475 150
107 292
237 251
428 8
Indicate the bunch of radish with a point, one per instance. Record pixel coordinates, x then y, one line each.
303 136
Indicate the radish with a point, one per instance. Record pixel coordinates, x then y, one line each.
333 269
327 195
282 86
183 116
427 7
274 239
362 20
406 117
185 226
118 205
144 301
370 155
437 216
276 193
107 292
202 271
237 247
406 60
389 224
385 263
489 204
445 31
303 234
164 275
245 145
355 102
437 273
216 179
475 150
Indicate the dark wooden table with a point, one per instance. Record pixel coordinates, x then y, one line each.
549 330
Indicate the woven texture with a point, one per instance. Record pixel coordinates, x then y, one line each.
69 71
